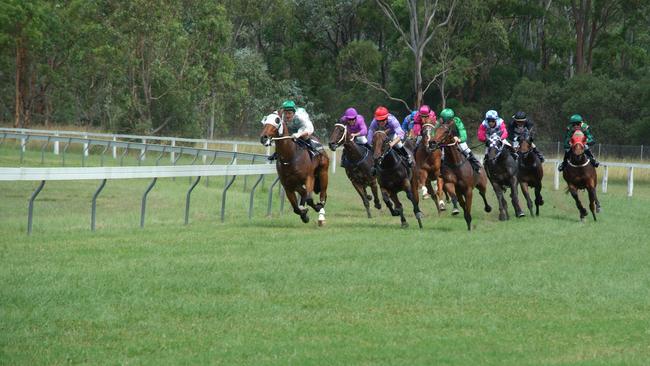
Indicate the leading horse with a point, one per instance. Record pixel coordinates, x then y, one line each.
580 174
393 177
530 172
458 176
501 169
359 165
299 172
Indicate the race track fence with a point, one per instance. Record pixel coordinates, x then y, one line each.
138 172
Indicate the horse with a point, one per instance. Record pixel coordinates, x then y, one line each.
530 172
393 177
427 169
299 172
359 167
458 176
580 174
501 169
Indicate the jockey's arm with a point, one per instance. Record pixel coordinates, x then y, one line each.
395 141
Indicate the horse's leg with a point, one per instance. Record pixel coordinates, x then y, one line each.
539 200
323 177
514 197
399 209
574 193
498 191
465 200
450 188
436 195
592 201
299 210
385 195
375 193
410 194
361 190
524 191
412 191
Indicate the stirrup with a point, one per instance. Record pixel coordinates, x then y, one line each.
272 157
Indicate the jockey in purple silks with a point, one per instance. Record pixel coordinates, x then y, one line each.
356 125
386 121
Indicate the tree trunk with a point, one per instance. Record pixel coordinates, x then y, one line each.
20 58
418 78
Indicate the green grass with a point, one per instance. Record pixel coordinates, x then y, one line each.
545 290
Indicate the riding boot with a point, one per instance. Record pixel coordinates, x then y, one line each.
594 162
475 163
564 161
406 155
273 156
539 154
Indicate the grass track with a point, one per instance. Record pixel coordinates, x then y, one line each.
545 290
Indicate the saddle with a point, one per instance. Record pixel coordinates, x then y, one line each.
313 146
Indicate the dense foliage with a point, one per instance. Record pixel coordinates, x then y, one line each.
202 68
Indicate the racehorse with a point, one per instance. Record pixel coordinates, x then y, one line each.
458 176
427 169
501 169
359 165
299 172
580 174
393 177
530 172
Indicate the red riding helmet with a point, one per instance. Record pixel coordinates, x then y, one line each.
381 113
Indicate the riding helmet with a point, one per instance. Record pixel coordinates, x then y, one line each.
576 118
381 113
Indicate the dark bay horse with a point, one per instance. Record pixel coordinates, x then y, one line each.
458 176
428 162
580 174
530 172
299 173
359 166
501 169
393 177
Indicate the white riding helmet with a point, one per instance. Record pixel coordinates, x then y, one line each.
491 114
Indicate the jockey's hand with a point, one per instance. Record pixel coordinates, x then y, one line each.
296 135
394 142
456 139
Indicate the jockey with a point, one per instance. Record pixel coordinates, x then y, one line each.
385 120
448 115
408 122
423 116
299 125
578 123
493 125
519 125
356 126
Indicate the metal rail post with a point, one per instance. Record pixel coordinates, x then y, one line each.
556 177
144 201
268 211
23 144
187 200
101 159
85 153
93 209
115 148
43 147
126 151
223 198
30 210
630 181
65 149
56 144
605 177
250 204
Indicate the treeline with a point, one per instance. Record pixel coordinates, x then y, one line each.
214 68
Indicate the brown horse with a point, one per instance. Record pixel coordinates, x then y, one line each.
580 174
427 169
298 171
458 176
359 166
530 172
393 177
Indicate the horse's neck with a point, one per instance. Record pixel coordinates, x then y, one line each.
453 155
352 150
578 159
286 148
529 158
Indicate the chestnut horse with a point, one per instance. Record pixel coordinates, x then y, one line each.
359 166
393 177
428 161
530 172
458 176
580 174
501 169
298 171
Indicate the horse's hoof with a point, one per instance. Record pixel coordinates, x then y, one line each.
455 211
304 218
420 223
541 203
442 206
488 208
369 197
503 217
405 225
321 222
418 215
521 214
378 206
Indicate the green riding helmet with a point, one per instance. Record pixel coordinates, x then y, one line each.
447 114
289 105
576 118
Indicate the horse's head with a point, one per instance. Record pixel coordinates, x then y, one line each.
444 134
494 146
272 128
578 142
338 136
426 133
525 145
380 144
